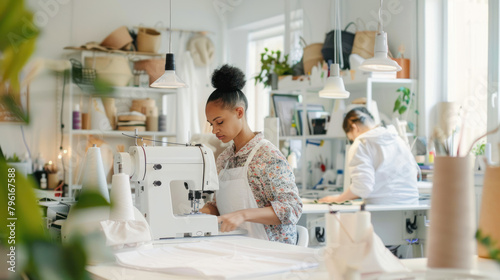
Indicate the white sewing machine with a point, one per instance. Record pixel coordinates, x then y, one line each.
157 173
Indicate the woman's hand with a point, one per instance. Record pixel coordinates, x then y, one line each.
210 208
231 221
330 199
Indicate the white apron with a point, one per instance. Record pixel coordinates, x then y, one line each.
235 194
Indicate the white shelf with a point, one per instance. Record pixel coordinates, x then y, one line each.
312 137
119 133
128 92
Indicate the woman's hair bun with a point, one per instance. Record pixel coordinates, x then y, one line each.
228 78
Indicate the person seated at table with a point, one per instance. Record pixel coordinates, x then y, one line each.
381 166
257 190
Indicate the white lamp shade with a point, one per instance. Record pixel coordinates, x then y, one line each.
334 88
380 62
169 80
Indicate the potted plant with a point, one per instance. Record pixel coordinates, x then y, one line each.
273 66
404 102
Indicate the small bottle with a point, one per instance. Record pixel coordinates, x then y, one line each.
137 77
339 180
143 79
43 182
77 120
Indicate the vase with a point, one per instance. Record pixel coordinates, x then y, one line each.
489 219
272 80
452 224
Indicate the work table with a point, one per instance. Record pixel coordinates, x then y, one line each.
482 267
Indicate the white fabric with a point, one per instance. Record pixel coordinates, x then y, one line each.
131 233
355 248
235 194
218 260
382 168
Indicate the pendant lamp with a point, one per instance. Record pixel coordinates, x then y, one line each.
169 79
334 87
380 62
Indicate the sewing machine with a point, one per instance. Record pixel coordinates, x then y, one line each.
166 177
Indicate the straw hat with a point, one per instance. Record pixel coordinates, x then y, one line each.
118 39
202 49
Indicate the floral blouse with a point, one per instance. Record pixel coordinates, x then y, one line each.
273 184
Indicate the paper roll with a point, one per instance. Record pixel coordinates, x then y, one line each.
332 228
94 177
489 220
452 224
99 119
271 130
121 198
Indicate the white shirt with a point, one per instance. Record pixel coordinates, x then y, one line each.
382 168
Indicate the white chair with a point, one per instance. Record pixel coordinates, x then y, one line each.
302 236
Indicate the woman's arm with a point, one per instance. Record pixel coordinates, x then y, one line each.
347 195
265 215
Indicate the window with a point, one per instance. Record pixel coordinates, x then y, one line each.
466 57
272 38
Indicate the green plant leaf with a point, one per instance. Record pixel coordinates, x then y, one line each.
411 126
397 104
402 109
89 199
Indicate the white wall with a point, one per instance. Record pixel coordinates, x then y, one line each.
73 23
66 22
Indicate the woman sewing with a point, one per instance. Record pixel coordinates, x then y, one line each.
381 166
257 191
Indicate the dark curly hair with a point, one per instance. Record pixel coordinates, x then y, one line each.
228 82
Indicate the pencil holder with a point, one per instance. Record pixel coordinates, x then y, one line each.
452 224
489 219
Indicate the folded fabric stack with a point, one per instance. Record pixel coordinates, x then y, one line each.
132 120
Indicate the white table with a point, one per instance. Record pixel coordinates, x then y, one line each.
389 221
113 271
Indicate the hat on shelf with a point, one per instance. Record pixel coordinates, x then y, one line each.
118 39
202 49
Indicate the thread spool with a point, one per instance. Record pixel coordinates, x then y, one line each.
93 173
332 228
162 122
121 198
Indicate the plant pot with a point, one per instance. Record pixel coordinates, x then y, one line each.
405 65
452 223
272 80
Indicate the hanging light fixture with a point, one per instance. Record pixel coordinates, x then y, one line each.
334 87
169 79
380 62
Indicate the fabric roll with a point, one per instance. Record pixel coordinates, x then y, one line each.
452 224
121 198
99 119
110 109
94 177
